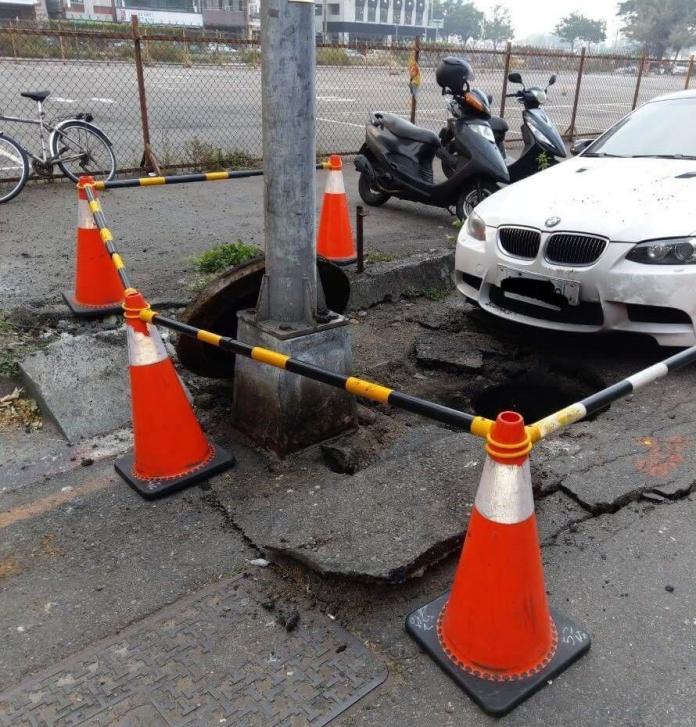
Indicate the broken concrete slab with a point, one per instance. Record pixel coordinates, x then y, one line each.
450 314
81 382
410 276
464 351
555 513
385 523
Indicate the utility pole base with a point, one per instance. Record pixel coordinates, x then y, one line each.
283 412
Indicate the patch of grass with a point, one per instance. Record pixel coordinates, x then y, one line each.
380 257
204 155
222 257
8 340
435 293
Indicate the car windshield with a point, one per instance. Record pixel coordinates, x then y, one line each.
660 129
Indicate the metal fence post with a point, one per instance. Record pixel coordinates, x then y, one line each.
414 102
569 133
62 49
149 161
14 47
689 70
508 50
638 80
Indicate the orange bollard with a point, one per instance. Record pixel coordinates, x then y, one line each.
98 290
170 449
335 240
494 633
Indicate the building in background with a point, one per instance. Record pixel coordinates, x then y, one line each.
187 13
23 10
372 20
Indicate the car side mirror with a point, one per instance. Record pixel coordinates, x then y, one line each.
515 77
552 80
580 146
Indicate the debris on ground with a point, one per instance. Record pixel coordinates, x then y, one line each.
19 411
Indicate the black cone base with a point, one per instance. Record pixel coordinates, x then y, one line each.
151 489
89 311
496 698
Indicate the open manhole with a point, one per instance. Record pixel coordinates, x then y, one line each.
536 394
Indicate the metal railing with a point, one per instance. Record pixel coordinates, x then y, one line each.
181 98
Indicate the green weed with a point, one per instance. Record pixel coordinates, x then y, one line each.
222 257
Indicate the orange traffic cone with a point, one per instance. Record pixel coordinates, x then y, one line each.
335 239
494 633
170 449
98 290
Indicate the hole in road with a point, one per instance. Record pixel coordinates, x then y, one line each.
534 395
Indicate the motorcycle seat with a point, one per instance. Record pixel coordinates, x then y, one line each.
406 130
498 125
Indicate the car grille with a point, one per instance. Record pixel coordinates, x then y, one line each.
520 241
574 249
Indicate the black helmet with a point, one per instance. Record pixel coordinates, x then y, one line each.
452 73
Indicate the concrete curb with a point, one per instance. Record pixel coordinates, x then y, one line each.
406 277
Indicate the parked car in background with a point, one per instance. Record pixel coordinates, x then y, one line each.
626 70
604 241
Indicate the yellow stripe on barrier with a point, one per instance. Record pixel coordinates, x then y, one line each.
267 356
105 234
99 185
208 337
367 390
94 206
215 176
151 181
117 260
481 427
146 314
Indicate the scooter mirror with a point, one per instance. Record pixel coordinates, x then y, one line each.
552 80
515 77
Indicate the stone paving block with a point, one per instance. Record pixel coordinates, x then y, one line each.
81 382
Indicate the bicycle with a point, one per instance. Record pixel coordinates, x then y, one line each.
75 145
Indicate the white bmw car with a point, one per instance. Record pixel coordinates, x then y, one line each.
603 241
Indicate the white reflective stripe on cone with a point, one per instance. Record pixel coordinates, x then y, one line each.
84 216
334 184
505 493
144 350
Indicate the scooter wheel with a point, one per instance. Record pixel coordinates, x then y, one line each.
472 195
370 195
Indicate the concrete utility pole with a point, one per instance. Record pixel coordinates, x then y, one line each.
278 410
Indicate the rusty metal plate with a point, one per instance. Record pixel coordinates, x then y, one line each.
215 309
215 658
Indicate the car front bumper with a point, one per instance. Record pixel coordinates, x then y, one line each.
613 294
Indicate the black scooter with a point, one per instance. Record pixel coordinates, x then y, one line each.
397 160
542 142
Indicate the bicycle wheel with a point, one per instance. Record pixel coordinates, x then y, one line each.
14 168
83 150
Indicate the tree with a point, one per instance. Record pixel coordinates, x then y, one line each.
498 26
578 27
463 19
659 24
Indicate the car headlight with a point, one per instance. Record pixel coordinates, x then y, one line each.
476 227
483 130
674 251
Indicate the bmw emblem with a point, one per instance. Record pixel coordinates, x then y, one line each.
552 221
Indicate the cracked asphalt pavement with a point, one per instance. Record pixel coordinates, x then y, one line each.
82 556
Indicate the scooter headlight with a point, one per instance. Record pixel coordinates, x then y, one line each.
483 130
476 227
675 251
539 95
539 135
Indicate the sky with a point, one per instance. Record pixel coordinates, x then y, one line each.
541 16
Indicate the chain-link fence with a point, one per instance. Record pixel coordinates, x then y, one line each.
196 95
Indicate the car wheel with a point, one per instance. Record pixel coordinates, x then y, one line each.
368 193
474 195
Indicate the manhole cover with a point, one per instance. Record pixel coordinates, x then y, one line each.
217 657
534 395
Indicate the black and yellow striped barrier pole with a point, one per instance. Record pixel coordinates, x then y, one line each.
105 233
185 178
478 426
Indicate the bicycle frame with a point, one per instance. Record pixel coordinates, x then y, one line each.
43 127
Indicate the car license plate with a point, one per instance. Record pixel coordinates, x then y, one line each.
568 289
